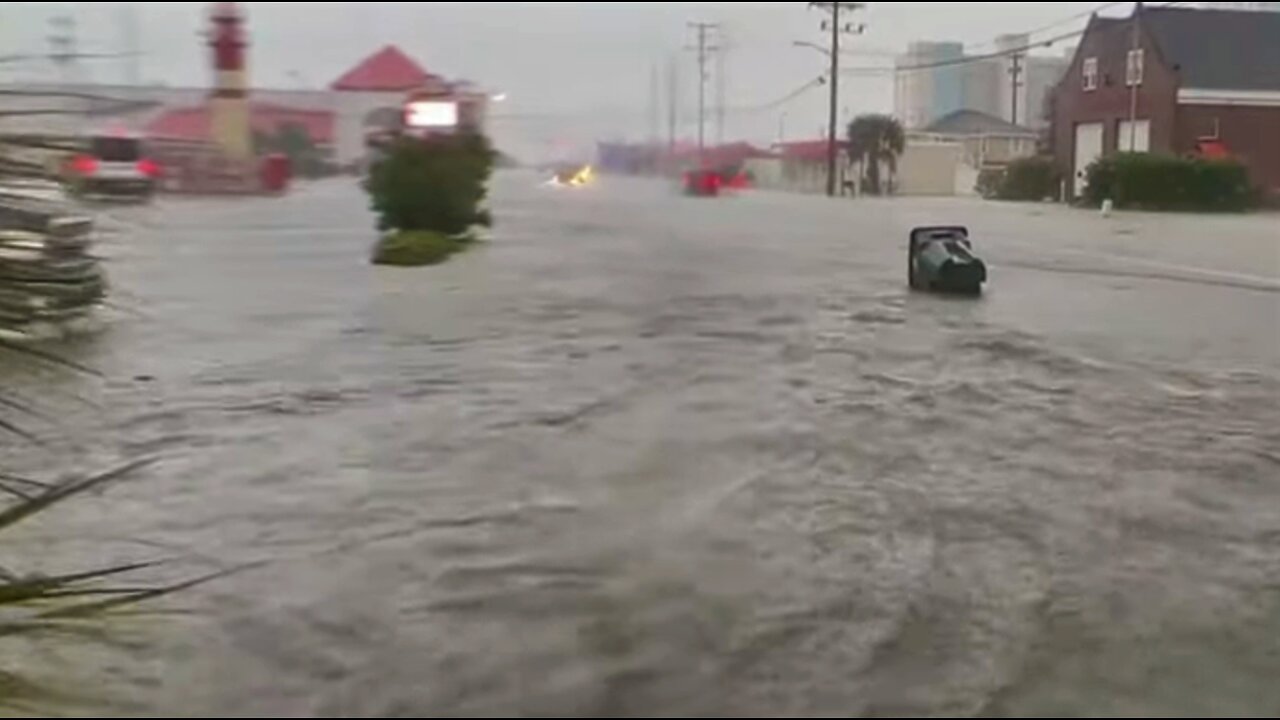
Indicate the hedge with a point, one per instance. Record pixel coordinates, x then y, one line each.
1030 179
1162 182
415 248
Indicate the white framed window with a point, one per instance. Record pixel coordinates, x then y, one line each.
1090 74
1133 136
1135 68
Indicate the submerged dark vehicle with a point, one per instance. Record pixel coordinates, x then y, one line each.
941 260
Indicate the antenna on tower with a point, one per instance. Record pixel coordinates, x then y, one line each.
131 40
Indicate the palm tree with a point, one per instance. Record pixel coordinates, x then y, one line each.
42 603
876 139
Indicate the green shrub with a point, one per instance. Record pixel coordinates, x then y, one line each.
438 184
1033 179
1030 179
415 248
1162 182
989 182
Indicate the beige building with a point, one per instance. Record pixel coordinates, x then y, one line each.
946 157
988 141
930 167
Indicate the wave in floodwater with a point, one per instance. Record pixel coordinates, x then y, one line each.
622 481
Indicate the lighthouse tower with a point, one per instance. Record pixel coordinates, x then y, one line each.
229 105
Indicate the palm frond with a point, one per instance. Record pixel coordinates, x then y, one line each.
22 407
28 482
15 492
33 352
39 588
57 494
9 427
104 607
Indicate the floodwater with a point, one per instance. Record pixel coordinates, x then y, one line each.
640 455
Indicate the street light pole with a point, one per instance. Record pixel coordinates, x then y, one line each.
1131 76
833 150
833 145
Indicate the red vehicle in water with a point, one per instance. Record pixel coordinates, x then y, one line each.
713 183
703 183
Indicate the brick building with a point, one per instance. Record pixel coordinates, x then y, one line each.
1202 82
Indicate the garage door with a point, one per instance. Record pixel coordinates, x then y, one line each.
1088 149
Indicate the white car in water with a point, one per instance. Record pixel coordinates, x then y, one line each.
112 167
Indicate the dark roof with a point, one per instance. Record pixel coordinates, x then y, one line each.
972 122
1219 49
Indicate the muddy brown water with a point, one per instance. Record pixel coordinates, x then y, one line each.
647 456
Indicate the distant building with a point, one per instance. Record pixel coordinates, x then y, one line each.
366 98
1206 82
935 79
800 167
988 141
946 157
195 124
923 95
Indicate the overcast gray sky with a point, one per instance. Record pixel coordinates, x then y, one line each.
587 64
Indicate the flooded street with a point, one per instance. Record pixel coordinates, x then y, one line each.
646 456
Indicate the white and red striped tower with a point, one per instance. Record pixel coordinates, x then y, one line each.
229 104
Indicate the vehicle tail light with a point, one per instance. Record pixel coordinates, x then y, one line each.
84 165
150 168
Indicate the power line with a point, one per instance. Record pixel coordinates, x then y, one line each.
1050 26
46 57
982 57
972 59
784 100
1007 52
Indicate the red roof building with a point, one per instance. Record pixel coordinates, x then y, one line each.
388 70
193 124
730 156
809 150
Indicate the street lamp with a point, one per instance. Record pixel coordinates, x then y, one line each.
813 46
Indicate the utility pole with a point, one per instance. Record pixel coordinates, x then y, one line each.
130 37
704 50
63 47
673 106
833 145
655 110
722 87
1015 72
1132 77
